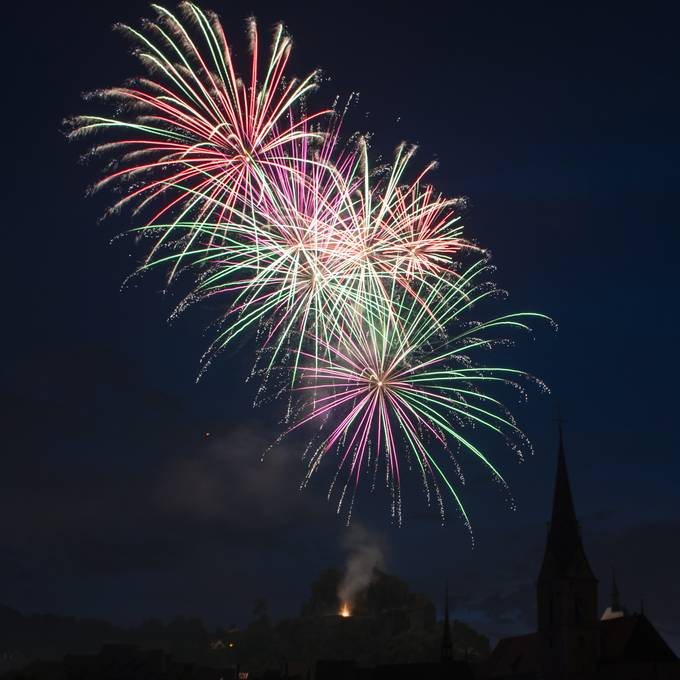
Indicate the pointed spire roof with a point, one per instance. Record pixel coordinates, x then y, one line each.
616 600
563 538
564 550
614 610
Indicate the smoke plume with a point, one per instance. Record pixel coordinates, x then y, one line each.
365 553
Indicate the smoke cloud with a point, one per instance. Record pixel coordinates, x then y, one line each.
227 481
365 553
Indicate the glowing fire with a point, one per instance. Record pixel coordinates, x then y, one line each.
345 611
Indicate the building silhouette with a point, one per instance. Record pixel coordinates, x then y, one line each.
120 661
447 668
572 640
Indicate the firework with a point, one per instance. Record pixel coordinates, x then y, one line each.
395 387
348 276
194 137
278 263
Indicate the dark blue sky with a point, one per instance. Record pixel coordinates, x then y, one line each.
558 121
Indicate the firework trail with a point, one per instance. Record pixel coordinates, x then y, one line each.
392 381
193 137
349 276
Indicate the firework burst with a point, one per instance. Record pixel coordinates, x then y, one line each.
395 387
193 139
348 276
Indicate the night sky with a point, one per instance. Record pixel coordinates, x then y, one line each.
558 121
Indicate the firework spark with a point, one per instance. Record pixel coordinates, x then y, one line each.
349 276
392 383
195 137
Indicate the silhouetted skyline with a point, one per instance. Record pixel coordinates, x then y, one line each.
129 491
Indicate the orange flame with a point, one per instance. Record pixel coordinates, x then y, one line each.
345 611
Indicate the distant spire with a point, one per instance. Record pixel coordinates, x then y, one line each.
563 537
614 610
447 647
616 601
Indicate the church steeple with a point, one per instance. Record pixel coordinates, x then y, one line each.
616 600
563 537
563 551
566 590
614 610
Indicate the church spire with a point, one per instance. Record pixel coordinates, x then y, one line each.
614 610
564 550
566 589
616 600
563 537
447 648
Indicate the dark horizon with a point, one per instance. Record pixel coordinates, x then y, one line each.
131 491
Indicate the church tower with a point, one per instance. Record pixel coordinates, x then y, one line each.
568 627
